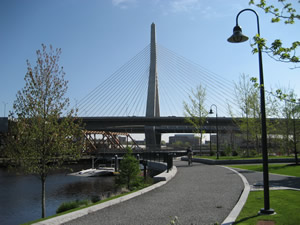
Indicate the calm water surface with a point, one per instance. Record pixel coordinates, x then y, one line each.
20 195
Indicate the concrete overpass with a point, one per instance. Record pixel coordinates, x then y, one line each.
169 124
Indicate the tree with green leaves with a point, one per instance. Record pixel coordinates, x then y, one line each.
296 132
243 91
284 11
42 138
287 110
195 112
247 98
129 171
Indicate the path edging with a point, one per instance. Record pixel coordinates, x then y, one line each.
230 219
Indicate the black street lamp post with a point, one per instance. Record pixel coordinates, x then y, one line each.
238 37
211 112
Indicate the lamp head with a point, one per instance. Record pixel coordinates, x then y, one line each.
211 112
237 35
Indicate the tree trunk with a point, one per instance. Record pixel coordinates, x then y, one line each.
295 142
43 179
200 143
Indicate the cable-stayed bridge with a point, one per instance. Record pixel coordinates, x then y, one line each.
147 94
124 93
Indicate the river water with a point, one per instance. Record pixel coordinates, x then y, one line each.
20 195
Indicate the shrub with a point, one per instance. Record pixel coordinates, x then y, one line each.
235 153
227 150
95 198
65 206
129 171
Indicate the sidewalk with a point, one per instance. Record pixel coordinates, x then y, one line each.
200 194
255 180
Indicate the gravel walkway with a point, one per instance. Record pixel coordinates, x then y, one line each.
200 194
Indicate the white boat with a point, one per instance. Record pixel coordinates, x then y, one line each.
101 171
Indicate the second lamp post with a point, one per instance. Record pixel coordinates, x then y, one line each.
212 112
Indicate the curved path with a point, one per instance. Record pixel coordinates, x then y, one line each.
276 181
200 194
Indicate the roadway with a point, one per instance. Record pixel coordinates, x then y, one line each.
170 124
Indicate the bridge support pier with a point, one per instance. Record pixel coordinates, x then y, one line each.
153 139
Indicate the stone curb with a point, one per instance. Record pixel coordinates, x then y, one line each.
230 219
79 213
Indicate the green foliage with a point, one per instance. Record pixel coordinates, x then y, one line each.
41 139
180 144
65 206
95 198
175 221
247 97
129 171
227 150
285 11
195 112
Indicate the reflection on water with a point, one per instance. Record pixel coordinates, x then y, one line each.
20 195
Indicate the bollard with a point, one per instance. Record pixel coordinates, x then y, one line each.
169 162
116 163
145 168
93 162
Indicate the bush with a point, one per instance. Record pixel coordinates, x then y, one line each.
65 206
235 153
95 198
222 153
227 150
129 172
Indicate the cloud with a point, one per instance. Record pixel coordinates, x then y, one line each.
195 8
124 4
177 6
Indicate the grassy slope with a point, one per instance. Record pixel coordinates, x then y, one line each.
241 158
284 169
284 202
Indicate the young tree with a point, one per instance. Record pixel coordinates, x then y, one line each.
283 11
129 170
296 132
195 112
243 90
42 139
247 98
288 112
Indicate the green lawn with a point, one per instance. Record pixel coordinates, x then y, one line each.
284 202
283 169
241 158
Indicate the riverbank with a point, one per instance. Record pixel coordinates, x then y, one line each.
21 194
161 179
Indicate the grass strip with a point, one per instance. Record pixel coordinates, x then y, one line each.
283 169
241 158
284 202
83 207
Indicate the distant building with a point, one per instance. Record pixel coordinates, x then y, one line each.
122 139
190 138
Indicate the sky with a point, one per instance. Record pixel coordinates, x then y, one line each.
98 36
